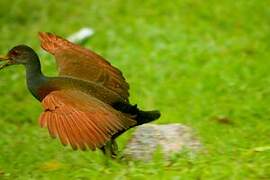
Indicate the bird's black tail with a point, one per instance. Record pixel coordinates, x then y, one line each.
146 116
140 116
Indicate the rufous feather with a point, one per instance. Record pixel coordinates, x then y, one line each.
76 61
81 120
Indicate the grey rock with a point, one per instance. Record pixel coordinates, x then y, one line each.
170 139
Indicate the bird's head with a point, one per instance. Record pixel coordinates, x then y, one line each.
20 54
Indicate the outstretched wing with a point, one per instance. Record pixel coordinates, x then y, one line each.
81 120
75 61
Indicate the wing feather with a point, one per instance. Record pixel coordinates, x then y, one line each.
98 133
50 125
60 131
42 119
88 137
66 130
78 62
81 120
79 130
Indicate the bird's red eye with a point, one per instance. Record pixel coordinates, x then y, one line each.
14 53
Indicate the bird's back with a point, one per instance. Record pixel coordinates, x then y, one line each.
88 87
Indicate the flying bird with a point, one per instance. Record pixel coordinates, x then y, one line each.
86 106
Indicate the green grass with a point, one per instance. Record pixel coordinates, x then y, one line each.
197 61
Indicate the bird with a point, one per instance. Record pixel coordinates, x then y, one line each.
87 105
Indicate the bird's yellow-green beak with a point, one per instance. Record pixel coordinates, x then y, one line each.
4 58
7 61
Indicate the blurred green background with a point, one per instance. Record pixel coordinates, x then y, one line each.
201 63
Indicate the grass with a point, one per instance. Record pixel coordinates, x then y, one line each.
201 63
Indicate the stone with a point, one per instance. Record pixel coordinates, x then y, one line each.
170 139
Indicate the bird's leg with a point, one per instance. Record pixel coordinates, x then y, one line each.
114 147
110 149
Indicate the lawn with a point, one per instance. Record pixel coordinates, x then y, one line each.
204 64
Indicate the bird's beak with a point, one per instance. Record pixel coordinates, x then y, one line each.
7 63
4 58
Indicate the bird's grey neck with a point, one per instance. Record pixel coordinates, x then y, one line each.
33 70
34 77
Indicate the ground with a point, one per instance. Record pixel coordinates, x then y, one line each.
201 63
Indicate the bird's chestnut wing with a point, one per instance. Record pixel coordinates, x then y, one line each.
81 120
76 61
